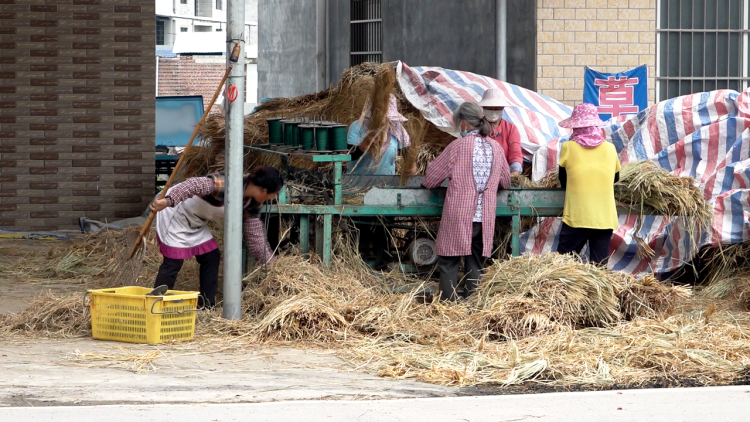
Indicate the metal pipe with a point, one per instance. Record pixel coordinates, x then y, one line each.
320 33
502 39
234 166
328 44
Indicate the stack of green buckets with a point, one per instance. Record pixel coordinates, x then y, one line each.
324 136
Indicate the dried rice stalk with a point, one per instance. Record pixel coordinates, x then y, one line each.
549 287
649 298
301 318
385 83
416 128
644 185
135 362
51 315
736 287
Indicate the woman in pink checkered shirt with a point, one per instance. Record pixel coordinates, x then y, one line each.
476 167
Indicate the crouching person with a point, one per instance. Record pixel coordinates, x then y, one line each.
182 226
476 167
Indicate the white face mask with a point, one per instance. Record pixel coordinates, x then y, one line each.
493 115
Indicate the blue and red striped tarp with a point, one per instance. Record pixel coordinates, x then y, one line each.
704 136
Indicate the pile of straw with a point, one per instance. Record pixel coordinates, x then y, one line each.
50 315
642 353
549 319
539 293
727 272
648 298
359 86
134 362
643 185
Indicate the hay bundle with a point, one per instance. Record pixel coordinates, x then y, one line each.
385 82
551 180
645 185
293 275
516 317
301 318
52 315
417 129
551 287
725 261
736 287
344 103
649 298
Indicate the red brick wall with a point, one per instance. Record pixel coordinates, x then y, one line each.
182 76
76 111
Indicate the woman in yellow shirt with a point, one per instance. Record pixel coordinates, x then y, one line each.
589 168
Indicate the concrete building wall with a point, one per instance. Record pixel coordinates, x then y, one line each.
521 33
419 32
76 111
441 33
339 40
287 48
609 36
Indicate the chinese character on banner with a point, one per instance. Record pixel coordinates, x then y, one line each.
616 94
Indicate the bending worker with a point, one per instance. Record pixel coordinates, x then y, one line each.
504 132
476 167
182 226
589 168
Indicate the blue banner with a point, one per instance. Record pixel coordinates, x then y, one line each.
616 94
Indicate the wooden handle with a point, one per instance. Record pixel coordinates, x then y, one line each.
152 215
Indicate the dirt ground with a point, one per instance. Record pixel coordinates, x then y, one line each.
16 296
83 371
46 372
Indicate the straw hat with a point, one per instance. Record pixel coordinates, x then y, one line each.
584 115
493 97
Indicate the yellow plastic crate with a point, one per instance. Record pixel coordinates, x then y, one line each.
127 314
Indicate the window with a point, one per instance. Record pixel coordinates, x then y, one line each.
218 4
159 32
702 45
204 8
202 28
183 1
183 29
218 29
366 32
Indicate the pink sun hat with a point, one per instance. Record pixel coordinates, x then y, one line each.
393 113
584 115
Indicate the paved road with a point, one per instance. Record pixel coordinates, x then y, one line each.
40 373
726 404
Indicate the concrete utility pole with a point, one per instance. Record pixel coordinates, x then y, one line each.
234 166
502 39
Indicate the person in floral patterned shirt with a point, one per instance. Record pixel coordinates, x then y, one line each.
476 167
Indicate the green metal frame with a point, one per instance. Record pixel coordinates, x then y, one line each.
515 203
520 203
516 212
